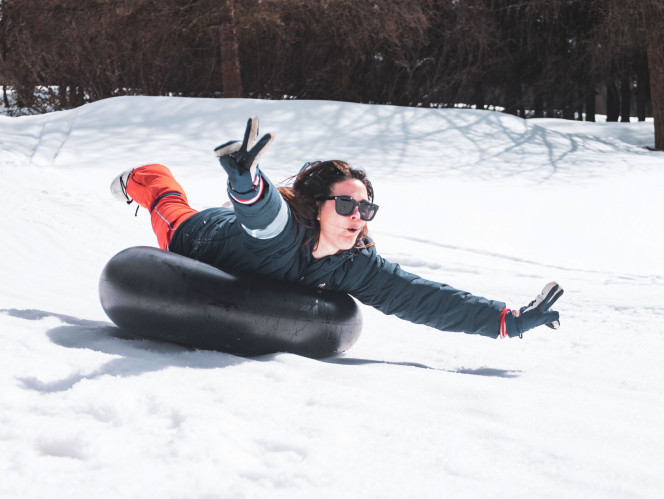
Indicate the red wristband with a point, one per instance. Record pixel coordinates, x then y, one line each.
502 327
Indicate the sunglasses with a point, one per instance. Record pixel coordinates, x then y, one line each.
345 206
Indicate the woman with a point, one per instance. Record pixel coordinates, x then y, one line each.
315 233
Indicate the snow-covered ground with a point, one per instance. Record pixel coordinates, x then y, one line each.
484 201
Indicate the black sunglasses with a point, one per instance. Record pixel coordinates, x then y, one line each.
345 206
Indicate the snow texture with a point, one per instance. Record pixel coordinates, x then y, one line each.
483 201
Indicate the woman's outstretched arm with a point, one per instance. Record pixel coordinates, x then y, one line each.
385 286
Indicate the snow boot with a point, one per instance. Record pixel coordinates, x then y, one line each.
119 187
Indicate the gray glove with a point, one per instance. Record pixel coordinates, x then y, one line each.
536 313
240 160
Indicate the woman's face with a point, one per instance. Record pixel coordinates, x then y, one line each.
336 231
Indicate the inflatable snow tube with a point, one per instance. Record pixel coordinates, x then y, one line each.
160 295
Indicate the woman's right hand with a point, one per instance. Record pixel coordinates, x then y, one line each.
240 160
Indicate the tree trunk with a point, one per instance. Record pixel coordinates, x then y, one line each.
63 97
231 80
612 102
539 106
655 42
3 51
550 111
590 106
642 93
478 97
625 99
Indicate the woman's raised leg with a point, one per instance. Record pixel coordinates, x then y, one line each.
154 188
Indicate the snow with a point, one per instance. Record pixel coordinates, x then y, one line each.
484 201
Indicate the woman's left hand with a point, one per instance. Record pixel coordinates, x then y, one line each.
536 313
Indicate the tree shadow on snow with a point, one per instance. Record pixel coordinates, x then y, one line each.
135 355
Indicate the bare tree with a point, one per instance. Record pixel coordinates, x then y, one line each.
230 62
3 53
653 14
533 57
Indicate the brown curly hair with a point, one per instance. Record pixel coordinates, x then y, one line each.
315 181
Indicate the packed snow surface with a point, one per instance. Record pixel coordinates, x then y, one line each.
483 201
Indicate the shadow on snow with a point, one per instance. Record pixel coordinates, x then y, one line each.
136 355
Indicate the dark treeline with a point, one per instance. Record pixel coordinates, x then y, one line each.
555 58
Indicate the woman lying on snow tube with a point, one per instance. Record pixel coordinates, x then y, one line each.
313 233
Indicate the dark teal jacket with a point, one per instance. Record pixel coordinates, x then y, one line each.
265 238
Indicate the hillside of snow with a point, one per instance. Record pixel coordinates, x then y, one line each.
480 200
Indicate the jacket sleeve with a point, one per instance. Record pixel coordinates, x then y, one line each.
265 218
386 287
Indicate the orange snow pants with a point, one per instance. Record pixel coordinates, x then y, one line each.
154 188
